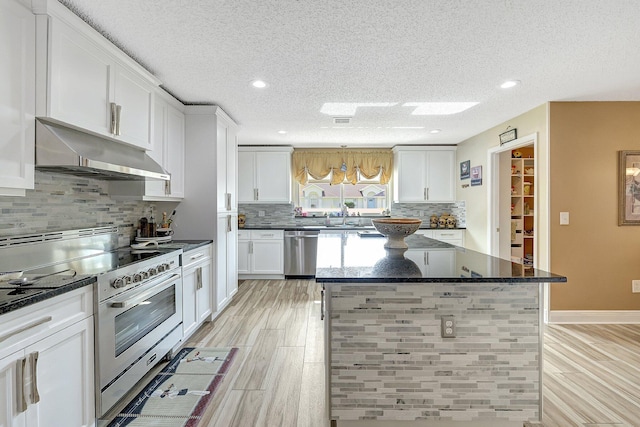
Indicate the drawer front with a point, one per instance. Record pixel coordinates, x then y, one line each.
267 235
244 235
448 234
426 233
28 325
196 255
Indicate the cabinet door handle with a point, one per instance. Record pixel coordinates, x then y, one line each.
167 186
196 256
118 111
228 201
35 396
424 258
322 304
21 367
112 125
250 247
199 278
427 189
424 193
25 328
229 226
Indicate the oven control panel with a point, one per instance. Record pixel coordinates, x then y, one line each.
130 276
140 276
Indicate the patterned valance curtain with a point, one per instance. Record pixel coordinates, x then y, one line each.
320 163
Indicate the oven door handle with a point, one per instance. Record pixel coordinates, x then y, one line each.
140 297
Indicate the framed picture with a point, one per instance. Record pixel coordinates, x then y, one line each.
476 175
629 188
509 135
465 169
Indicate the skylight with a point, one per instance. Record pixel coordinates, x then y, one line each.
438 108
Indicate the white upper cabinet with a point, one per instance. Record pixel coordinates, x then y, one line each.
175 151
90 83
424 174
265 175
133 97
17 98
168 148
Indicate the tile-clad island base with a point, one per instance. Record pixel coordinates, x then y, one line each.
388 364
388 361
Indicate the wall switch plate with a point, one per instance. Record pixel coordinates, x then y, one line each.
260 213
564 218
447 327
635 286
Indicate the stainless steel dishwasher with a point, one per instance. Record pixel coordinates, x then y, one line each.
300 251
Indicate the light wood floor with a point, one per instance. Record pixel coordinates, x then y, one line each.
591 372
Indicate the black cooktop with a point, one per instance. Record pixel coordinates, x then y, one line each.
63 273
66 273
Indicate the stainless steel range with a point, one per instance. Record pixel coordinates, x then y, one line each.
138 304
138 321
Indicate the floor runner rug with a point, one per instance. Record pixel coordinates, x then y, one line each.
179 394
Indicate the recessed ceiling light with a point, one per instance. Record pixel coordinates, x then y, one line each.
282 132
435 131
258 84
438 108
509 84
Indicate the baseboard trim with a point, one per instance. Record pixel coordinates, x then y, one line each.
594 316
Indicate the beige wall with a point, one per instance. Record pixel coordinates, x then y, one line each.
598 257
475 149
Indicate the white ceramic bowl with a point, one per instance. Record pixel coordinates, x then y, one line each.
396 229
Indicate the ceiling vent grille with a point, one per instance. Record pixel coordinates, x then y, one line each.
342 120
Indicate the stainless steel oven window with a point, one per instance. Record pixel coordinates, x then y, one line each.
133 324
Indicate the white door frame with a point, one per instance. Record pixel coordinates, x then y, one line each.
493 174
493 203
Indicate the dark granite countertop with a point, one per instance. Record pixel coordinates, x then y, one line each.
186 245
349 258
297 227
33 296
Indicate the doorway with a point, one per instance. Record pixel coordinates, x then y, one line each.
499 195
499 203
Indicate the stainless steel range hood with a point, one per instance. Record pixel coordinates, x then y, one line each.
62 149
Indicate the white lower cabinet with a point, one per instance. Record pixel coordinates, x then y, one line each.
226 283
260 253
197 270
48 378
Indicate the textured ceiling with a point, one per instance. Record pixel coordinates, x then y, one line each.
375 51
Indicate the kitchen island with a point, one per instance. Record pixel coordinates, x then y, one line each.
389 361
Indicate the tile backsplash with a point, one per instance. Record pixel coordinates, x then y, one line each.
66 202
282 214
425 210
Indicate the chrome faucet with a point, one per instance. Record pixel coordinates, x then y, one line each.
345 214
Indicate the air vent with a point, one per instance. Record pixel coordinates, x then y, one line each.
342 120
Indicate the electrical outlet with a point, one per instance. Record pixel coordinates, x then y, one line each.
447 327
635 286
260 213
